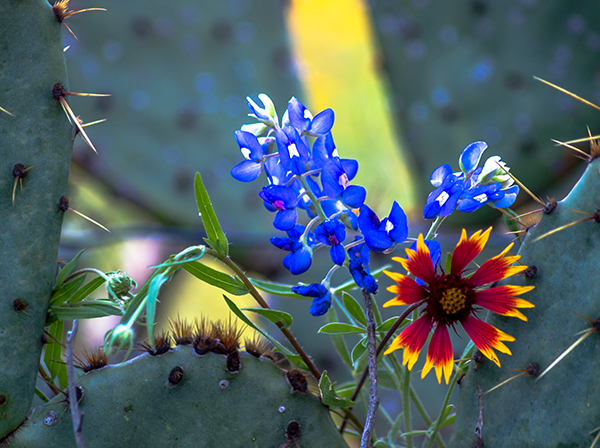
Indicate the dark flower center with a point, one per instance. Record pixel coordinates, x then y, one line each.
450 300
453 300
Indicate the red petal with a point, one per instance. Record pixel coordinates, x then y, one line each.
501 300
496 269
413 337
408 291
439 354
467 250
419 262
486 338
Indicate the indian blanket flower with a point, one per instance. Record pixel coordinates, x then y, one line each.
452 298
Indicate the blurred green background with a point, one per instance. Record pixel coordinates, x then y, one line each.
412 83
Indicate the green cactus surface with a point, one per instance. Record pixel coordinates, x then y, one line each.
35 151
180 399
562 407
463 71
179 76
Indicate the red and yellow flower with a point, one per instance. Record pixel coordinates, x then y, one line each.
452 298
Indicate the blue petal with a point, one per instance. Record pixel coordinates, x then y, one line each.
246 171
431 210
279 196
370 284
397 218
469 159
249 145
510 196
260 113
378 241
439 174
367 220
354 196
322 122
298 261
350 167
330 178
312 290
285 219
296 114
320 305
338 254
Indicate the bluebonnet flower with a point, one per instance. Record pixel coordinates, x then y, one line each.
300 257
382 235
301 119
333 233
359 268
294 151
336 184
471 188
282 200
253 151
322 297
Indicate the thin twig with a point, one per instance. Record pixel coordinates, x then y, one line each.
373 398
380 347
73 402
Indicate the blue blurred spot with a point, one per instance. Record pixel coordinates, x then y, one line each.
171 154
440 97
139 100
245 70
515 16
209 103
593 41
492 135
204 82
416 49
522 122
190 44
112 50
89 66
480 71
418 111
244 32
448 35
164 26
232 105
576 24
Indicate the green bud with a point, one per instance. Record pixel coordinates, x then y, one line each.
117 339
493 172
119 285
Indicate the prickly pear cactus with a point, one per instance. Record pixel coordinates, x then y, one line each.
560 408
179 75
35 153
464 70
181 399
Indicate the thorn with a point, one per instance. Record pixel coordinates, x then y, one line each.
19 172
64 206
532 369
91 123
577 150
572 95
66 48
62 12
6 112
595 216
520 184
511 217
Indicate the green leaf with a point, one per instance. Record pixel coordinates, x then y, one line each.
512 224
382 444
61 295
385 326
354 308
215 233
358 352
385 380
153 291
53 350
448 265
66 270
86 290
216 278
277 289
192 253
341 328
275 316
86 309
328 395
292 357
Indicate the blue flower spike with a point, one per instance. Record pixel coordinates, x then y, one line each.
301 119
322 297
469 159
299 259
359 268
383 235
251 148
333 233
336 184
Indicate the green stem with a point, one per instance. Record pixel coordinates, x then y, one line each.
406 405
435 225
439 422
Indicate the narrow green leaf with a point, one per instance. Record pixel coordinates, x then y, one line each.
354 308
216 278
341 328
86 309
62 294
382 444
449 421
277 289
40 394
292 357
53 350
66 270
194 253
86 290
385 380
328 395
417 432
338 341
275 316
448 265
138 298
213 229
153 291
